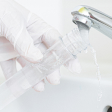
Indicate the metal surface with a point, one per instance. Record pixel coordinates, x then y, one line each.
93 18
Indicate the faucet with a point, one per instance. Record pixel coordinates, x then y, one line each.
93 18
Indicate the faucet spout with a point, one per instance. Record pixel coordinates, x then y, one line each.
93 18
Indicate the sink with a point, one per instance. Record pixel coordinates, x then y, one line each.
76 93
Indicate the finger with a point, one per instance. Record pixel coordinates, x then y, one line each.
9 68
37 27
40 31
50 37
15 31
54 78
73 65
39 87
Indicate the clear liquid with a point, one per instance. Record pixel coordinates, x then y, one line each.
97 73
84 32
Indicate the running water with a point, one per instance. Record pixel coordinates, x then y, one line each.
97 73
84 32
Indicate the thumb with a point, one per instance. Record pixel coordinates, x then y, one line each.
15 31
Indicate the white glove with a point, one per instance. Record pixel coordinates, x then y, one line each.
26 36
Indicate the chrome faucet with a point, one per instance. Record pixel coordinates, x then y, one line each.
93 18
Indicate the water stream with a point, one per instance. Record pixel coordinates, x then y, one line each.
84 32
97 73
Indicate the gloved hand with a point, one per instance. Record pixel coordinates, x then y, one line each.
26 36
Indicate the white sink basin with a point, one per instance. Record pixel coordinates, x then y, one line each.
76 93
